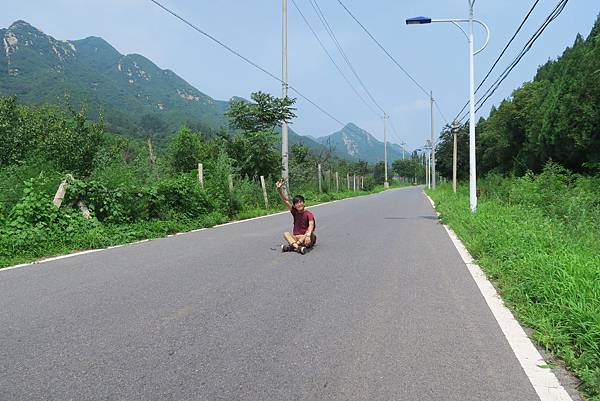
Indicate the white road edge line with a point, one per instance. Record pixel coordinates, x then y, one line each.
543 380
70 255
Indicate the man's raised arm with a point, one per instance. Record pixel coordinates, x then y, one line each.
279 186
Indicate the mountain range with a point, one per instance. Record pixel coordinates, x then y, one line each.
125 89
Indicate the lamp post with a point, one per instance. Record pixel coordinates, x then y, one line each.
427 162
432 166
469 36
386 184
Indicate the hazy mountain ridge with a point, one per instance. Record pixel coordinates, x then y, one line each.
40 69
360 144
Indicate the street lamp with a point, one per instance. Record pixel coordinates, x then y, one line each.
469 36
426 149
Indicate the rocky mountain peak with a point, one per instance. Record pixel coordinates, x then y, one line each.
23 37
23 25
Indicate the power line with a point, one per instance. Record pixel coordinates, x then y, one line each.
427 93
555 13
440 111
332 60
341 50
528 45
244 58
501 54
508 44
384 50
250 62
395 133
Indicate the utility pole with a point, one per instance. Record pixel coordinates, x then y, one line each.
386 184
432 144
284 87
455 128
427 168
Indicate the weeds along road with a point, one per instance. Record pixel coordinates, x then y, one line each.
382 309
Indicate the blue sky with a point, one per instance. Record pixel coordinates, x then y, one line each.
435 55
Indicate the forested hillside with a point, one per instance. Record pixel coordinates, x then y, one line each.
556 116
134 96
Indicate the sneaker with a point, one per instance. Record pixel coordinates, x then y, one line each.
302 250
286 248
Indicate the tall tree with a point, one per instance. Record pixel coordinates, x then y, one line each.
254 150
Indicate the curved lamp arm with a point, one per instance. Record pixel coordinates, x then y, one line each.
456 22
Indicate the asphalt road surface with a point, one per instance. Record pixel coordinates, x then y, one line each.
383 308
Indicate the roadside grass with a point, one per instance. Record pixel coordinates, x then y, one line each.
74 233
91 234
545 265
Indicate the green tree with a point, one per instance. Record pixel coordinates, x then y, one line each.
254 154
254 150
379 172
265 114
405 167
72 143
153 124
15 138
184 150
302 165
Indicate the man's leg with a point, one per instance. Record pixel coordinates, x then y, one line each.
291 239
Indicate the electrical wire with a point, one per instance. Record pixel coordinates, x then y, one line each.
255 65
435 103
247 60
329 30
332 60
501 54
385 51
551 17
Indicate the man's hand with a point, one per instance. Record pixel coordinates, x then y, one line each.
307 240
279 185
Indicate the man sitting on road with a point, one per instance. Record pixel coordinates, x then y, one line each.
303 235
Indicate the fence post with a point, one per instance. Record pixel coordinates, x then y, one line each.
230 181
201 175
62 190
84 210
60 194
319 173
337 182
264 189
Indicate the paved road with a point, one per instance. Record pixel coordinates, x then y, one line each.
382 309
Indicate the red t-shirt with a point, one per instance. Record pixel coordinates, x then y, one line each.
301 221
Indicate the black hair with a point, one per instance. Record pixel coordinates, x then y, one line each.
297 198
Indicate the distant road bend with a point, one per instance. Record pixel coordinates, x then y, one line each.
382 309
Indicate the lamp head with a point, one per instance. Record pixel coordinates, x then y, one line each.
418 20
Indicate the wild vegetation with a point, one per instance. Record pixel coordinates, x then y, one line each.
537 238
536 231
136 188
